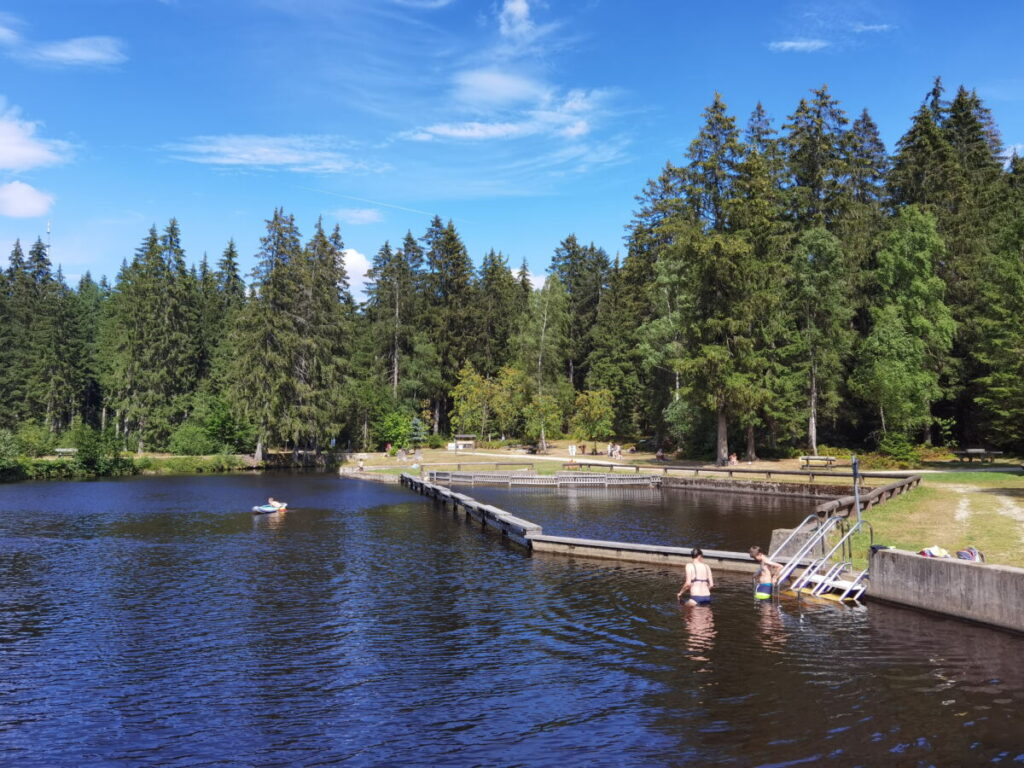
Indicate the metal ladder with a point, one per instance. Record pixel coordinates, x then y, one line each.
832 579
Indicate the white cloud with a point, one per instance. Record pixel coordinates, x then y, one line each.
514 20
8 37
316 154
80 51
357 265
21 149
493 88
356 216
569 116
798 46
858 27
21 201
476 131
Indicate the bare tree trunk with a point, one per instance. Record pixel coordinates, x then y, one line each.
751 447
812 420
723 438
259 451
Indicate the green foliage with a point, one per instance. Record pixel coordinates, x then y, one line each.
394 428
899 448
9 448
192 440
773 284
543 419
471 400
593 415
35 440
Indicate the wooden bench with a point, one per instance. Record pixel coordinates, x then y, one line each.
817 461
981 454
66 451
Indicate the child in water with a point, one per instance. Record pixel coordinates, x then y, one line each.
767 574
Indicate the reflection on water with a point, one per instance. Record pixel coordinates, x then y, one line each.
155 621
700 630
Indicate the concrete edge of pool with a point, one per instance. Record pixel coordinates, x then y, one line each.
992 595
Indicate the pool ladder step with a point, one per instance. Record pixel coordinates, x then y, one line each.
824 577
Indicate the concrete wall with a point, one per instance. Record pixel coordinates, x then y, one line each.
760 487
990 594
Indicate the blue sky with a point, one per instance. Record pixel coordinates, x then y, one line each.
523 121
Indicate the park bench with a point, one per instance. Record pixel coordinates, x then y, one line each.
981 454
817 461
66 451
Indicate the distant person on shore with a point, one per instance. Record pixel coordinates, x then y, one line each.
767 574
660 455
733 460
699 581
572 450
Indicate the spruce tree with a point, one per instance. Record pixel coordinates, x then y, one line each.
582 270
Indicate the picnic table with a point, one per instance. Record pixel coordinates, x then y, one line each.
817 461
981 454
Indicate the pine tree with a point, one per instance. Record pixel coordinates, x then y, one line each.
449 301
820 295
497 312
266 333
541 351
610 363
815 156
582 270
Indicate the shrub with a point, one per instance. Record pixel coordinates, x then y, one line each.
35 440
899 447
436 441
192 440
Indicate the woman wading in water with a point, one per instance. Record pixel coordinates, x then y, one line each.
699 580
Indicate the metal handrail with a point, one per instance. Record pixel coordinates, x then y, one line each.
807 546
813 569
810 518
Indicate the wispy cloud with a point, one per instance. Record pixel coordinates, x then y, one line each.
569 116
357 216
22 201
21 149
311 154
798 46
80 52
8 36
861 28
491 87
97 51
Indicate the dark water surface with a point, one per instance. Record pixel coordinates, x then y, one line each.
156 622
671 518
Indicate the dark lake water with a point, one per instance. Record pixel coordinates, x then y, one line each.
156 622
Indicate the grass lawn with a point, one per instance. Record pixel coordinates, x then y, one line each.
953 510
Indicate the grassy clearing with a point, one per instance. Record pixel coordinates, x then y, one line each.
954 510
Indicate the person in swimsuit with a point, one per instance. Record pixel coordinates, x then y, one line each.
699 580
767 574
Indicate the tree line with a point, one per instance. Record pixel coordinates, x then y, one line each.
781 287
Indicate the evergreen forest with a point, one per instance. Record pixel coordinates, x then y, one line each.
784 285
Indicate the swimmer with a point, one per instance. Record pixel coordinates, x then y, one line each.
699 580
767 574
